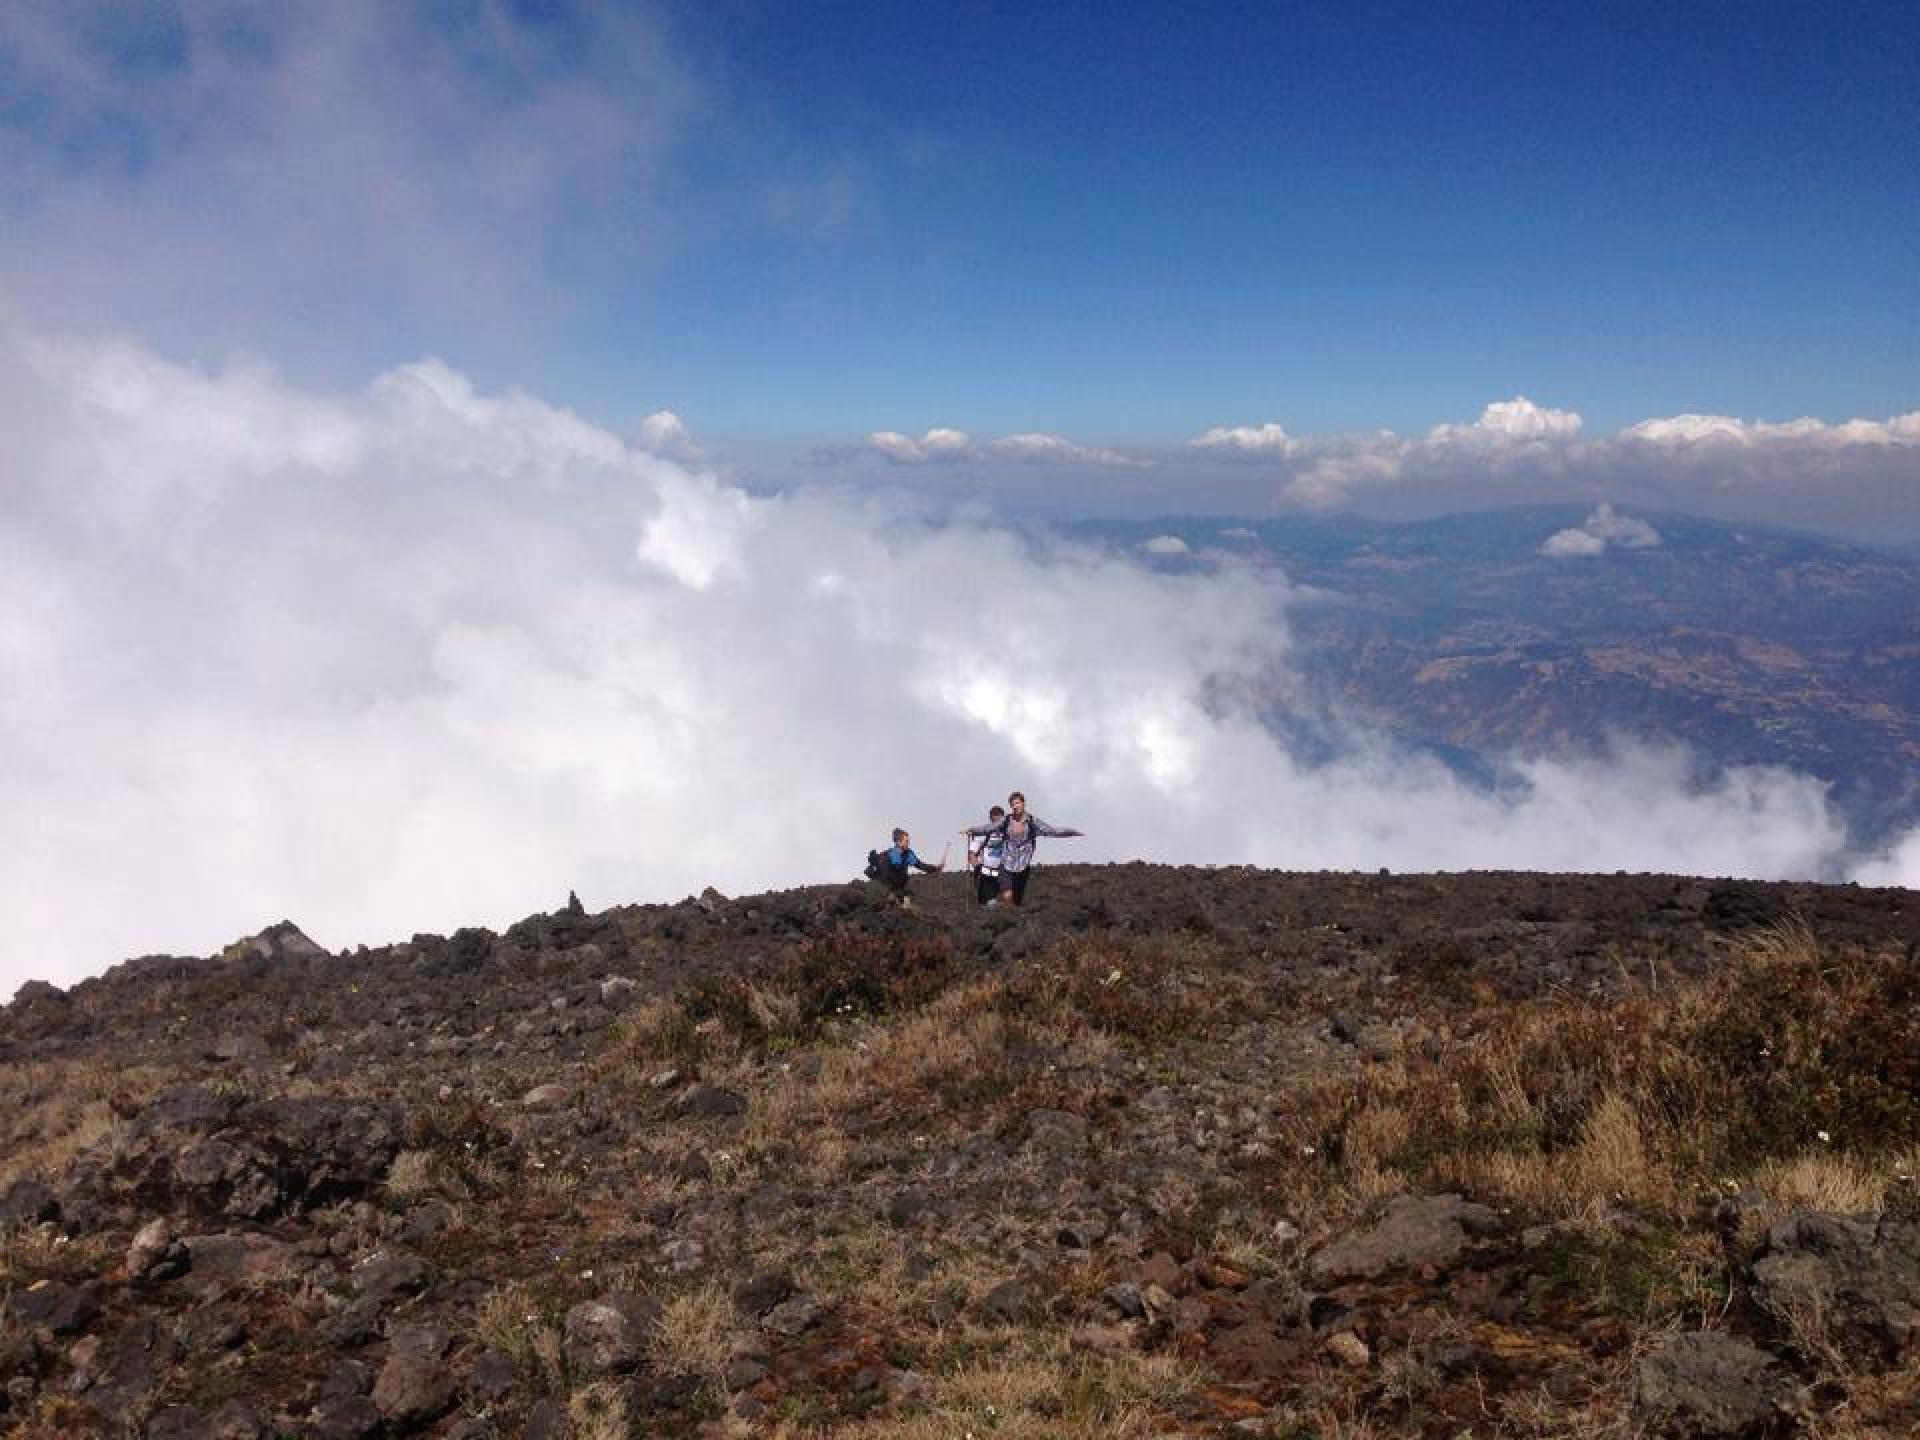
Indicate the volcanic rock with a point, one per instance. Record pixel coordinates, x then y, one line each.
1414 1231
1854 1277
416 1384
1710 1386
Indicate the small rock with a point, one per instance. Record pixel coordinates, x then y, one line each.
1349 1349
346 1417
602 1339
154 1253
179 1422
490 1377
545 1097
386 1275
759 1294
795 1315
347 1377
616 987
712 1102
547 1420
1125 1297
664 1079
1006 1302
1415 1230
909 1204
415 1385
1056 1130
237 1260
28 1202
237 1420
54 1306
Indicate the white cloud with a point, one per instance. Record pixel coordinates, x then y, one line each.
421 655
1058 450
1268 440
1511 420
1898 864
1567 543
937 446
665 433
1166 545
1709 431
949 446
1601 529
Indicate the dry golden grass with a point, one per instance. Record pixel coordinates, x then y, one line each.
695 1333
599 1412
512 1321
1817 1180
412 1174
55 1109
1037 1386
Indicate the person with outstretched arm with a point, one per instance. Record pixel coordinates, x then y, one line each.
898 861
1018 832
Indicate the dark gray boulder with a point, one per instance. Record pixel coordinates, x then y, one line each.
1710 1386
55 1307
1849 1280
416 1385
28 1202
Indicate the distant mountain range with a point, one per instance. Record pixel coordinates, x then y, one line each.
1483 635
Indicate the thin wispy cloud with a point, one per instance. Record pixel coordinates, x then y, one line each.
946 446
314 178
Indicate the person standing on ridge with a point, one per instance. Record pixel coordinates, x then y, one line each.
983 858
1019 833
891 867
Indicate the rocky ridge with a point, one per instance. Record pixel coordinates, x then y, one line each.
1173 1151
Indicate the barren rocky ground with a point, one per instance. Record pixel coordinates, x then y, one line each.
1172 1152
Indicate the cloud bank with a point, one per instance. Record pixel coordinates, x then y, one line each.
415 655
1857 477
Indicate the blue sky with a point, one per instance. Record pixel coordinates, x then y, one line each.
797 224
1138 220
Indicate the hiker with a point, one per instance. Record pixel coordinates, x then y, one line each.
983 858
1018 832
891 867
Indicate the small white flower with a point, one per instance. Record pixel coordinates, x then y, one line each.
1825 1138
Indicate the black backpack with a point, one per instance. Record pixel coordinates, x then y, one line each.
885 872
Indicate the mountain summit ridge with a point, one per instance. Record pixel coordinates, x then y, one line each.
1175 1150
